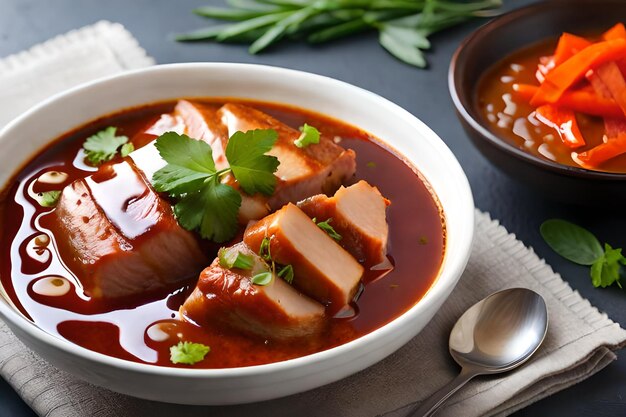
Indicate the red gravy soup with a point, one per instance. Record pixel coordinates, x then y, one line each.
50 282
513 119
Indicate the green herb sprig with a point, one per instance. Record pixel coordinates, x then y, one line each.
403 25
262 278
309 136
48 198
188 352
325 226
285 272
104 145
204 203
230 258
580 246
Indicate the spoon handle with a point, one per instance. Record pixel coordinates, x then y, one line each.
430 405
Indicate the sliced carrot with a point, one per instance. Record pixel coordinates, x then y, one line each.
598 85
525 91
612 78
603 152
563 121
565 75
613 124
582 101
616 32
568 46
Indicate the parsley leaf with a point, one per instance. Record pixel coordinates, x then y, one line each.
103 146
213 210
286 273
253 169
48 198
309 136
188 352
263 278
189 163
190 176
232 258
606 269
325 226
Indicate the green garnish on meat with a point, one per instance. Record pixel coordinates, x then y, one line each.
191 178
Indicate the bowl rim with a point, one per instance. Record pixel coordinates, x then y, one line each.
458 97
455 265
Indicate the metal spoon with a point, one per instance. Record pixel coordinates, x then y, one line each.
495 335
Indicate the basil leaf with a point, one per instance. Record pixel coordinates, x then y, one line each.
571 241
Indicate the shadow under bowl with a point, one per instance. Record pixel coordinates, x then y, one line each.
498 39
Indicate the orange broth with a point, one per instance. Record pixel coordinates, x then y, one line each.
512 118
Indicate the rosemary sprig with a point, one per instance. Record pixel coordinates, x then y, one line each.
403 25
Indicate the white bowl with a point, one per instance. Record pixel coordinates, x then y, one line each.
374 114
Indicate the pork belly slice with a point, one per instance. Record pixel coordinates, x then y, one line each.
315 169
120 238
358 214
165 123
323 270
202 122
196 120
228 298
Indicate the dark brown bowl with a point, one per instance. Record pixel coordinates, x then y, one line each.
499 38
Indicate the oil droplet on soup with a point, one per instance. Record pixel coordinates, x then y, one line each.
37 248
52 286
53 177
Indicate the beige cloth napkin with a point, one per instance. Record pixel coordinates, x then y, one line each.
580 341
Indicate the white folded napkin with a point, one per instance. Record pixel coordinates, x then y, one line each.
65 61
580 340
